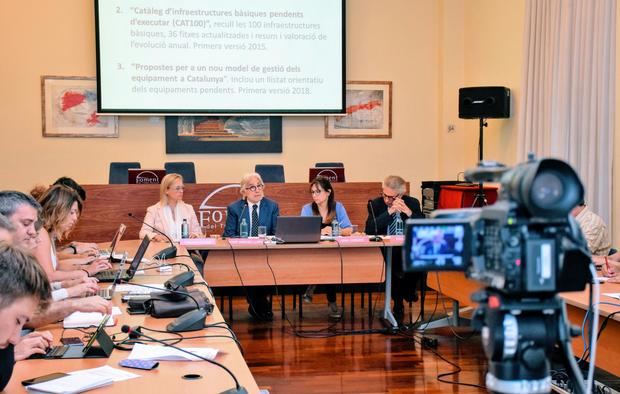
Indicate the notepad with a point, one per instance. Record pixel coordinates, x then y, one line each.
75 383
613 295
88 319
166 353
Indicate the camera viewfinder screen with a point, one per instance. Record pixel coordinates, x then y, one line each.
438 247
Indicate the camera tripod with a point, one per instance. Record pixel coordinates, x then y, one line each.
518 336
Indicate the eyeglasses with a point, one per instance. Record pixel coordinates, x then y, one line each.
255 188
316 192
390 198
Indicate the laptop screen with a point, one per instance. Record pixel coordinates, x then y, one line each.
118 274
116 239
91 341
137 259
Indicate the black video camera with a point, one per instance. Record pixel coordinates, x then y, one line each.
527 242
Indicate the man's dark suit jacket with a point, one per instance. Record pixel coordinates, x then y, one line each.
267 216
384 218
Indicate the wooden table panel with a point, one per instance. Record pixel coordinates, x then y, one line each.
294 266
107 206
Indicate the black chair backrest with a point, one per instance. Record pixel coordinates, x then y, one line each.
118 171
185 168
329 164
272 173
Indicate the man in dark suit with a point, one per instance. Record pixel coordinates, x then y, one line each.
257 210
393 203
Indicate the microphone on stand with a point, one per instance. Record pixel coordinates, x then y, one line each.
376 237
168 253
189 321
136 333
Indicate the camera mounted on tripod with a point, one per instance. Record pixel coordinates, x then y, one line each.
525 249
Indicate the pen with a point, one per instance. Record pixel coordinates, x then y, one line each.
608 267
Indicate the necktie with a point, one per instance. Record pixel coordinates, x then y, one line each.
392 226
254 232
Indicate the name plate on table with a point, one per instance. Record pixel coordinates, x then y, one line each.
246 241
197 242
139 176
394 238
356 239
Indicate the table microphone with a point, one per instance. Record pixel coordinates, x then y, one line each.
136 333
376 237
189 321
168 253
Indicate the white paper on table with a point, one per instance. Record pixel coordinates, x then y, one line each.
75 383
129 288
115 374
89 319
166 353
613 295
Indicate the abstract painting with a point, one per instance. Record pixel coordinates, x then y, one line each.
69 109
368 112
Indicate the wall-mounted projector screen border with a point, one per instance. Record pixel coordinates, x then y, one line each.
216 57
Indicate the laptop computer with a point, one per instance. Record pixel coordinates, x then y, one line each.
109 253
298 229
83 351
110 275
108 293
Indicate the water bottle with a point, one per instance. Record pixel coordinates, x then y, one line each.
184 229
398 230
335 228
243 229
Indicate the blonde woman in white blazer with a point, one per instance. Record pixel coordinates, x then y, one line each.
168 214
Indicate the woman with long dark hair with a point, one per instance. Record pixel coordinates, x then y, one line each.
325 205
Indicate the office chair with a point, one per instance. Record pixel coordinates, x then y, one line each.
329 164
118 171
271 173
185 168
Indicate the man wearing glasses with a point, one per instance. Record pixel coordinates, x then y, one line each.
385 209
257 211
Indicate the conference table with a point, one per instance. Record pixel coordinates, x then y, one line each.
236 262
457 287
168 377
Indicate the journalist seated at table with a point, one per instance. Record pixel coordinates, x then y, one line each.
24 290
382 217
255 210
325 205
169 213
22 212
75 247
60 210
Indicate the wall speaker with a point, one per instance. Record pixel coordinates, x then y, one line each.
484 102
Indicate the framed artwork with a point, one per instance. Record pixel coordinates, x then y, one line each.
223 134
69 109
369 112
